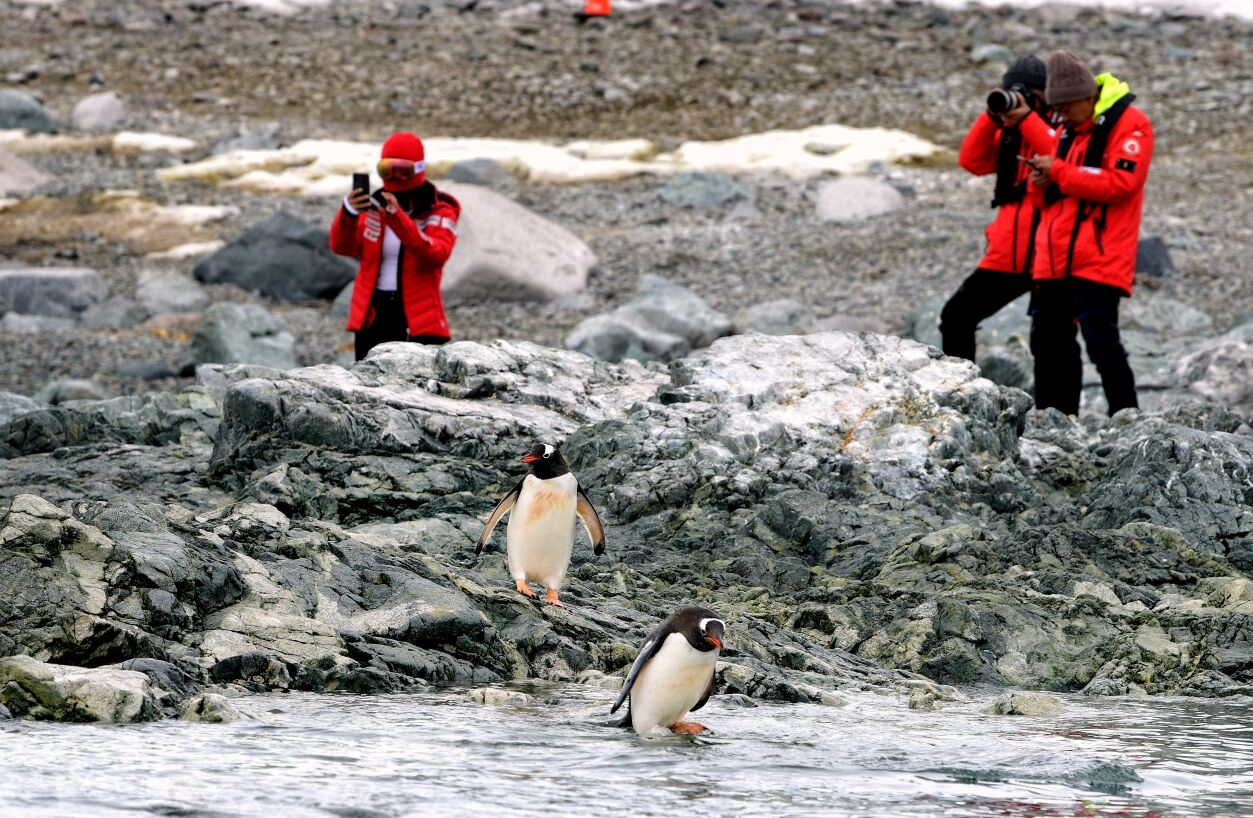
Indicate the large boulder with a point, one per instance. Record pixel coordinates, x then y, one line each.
18 177
282 257
37 690
20 111
663 322
851 199
505 251
104 111
165 291
56 292
243 333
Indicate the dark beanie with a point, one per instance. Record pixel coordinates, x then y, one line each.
1027 70
1069 80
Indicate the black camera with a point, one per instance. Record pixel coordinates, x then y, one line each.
1004 100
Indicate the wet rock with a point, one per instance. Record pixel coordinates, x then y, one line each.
281 257
99 112
1153 257
852 199
69 389
507 252
497 697
36 690
18 177
56 292
1026 704
20 111
19 324
663 322
4 713
242 333
782 317
920 698
164 291
704 191
484 172
209 708
114 313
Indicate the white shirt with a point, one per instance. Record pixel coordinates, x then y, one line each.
389 262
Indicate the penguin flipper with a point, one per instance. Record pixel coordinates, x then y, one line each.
506 503
650 647
709 690
591 522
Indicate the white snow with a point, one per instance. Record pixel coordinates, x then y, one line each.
19 141
193 249
317 167
152 142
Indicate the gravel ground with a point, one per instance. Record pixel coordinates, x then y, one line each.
695 70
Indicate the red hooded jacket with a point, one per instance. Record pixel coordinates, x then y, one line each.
1009 234
1108 198
426 241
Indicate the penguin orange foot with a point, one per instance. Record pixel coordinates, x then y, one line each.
551 599
525 589
688 728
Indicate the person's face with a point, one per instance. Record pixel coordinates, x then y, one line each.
1078 112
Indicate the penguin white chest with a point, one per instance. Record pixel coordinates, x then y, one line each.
540 536
670 685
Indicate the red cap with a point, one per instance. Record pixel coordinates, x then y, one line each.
404 145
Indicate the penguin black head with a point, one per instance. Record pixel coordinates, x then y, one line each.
546 461
702 628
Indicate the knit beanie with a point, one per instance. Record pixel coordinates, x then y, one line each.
1027 70
403 145
1068 79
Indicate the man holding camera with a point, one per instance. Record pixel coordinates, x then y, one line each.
994 145
1088 181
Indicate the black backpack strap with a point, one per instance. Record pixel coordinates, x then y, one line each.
1009 190
1094 157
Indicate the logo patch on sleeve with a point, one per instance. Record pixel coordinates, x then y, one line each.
1125 164
1131 147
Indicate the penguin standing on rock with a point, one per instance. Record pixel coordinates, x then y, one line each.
673 674
540 535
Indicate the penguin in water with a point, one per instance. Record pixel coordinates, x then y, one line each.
540 535
674 674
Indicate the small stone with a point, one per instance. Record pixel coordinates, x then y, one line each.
485 172
21 324
162 291
920 698
856 198
498 697
114 313
742 34
209 708
1026 704
991 52
703 191
784 316
18 177
1153 257
99 112
21 111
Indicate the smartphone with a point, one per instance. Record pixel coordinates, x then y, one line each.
361 181
1025 161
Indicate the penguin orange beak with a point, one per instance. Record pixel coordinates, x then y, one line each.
529 458
717 642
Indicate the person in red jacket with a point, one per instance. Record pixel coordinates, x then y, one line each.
1089 183
994 145
403 238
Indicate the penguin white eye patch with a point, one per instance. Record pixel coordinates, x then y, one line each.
704 624
548 450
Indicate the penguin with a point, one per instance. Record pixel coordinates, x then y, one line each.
540 535
673 674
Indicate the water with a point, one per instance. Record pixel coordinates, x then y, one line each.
439 755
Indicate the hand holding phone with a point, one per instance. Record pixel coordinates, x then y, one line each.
359 198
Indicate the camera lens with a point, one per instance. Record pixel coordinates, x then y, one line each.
1001 101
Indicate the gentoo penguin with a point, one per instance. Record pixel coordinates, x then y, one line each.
674 673
540 536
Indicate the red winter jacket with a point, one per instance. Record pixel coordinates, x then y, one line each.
426 242
1111 197
1009 234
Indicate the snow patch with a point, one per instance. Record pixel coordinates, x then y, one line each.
193 249
317 167
19 141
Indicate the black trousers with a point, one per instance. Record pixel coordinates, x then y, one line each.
1060 307
389 324
980 296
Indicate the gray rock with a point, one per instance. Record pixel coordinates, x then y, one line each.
783 317
1153 257
507 252
281 257
485 172
36 690
4 713
1026 704
849 323
852 199
146 370
99 112
114 313
19 177
663 322
496 696
56 292
165 291
20 324
20 111
704 191
242 333
12 405
991 52
920 698
209 708
258 138
68 389
342 305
